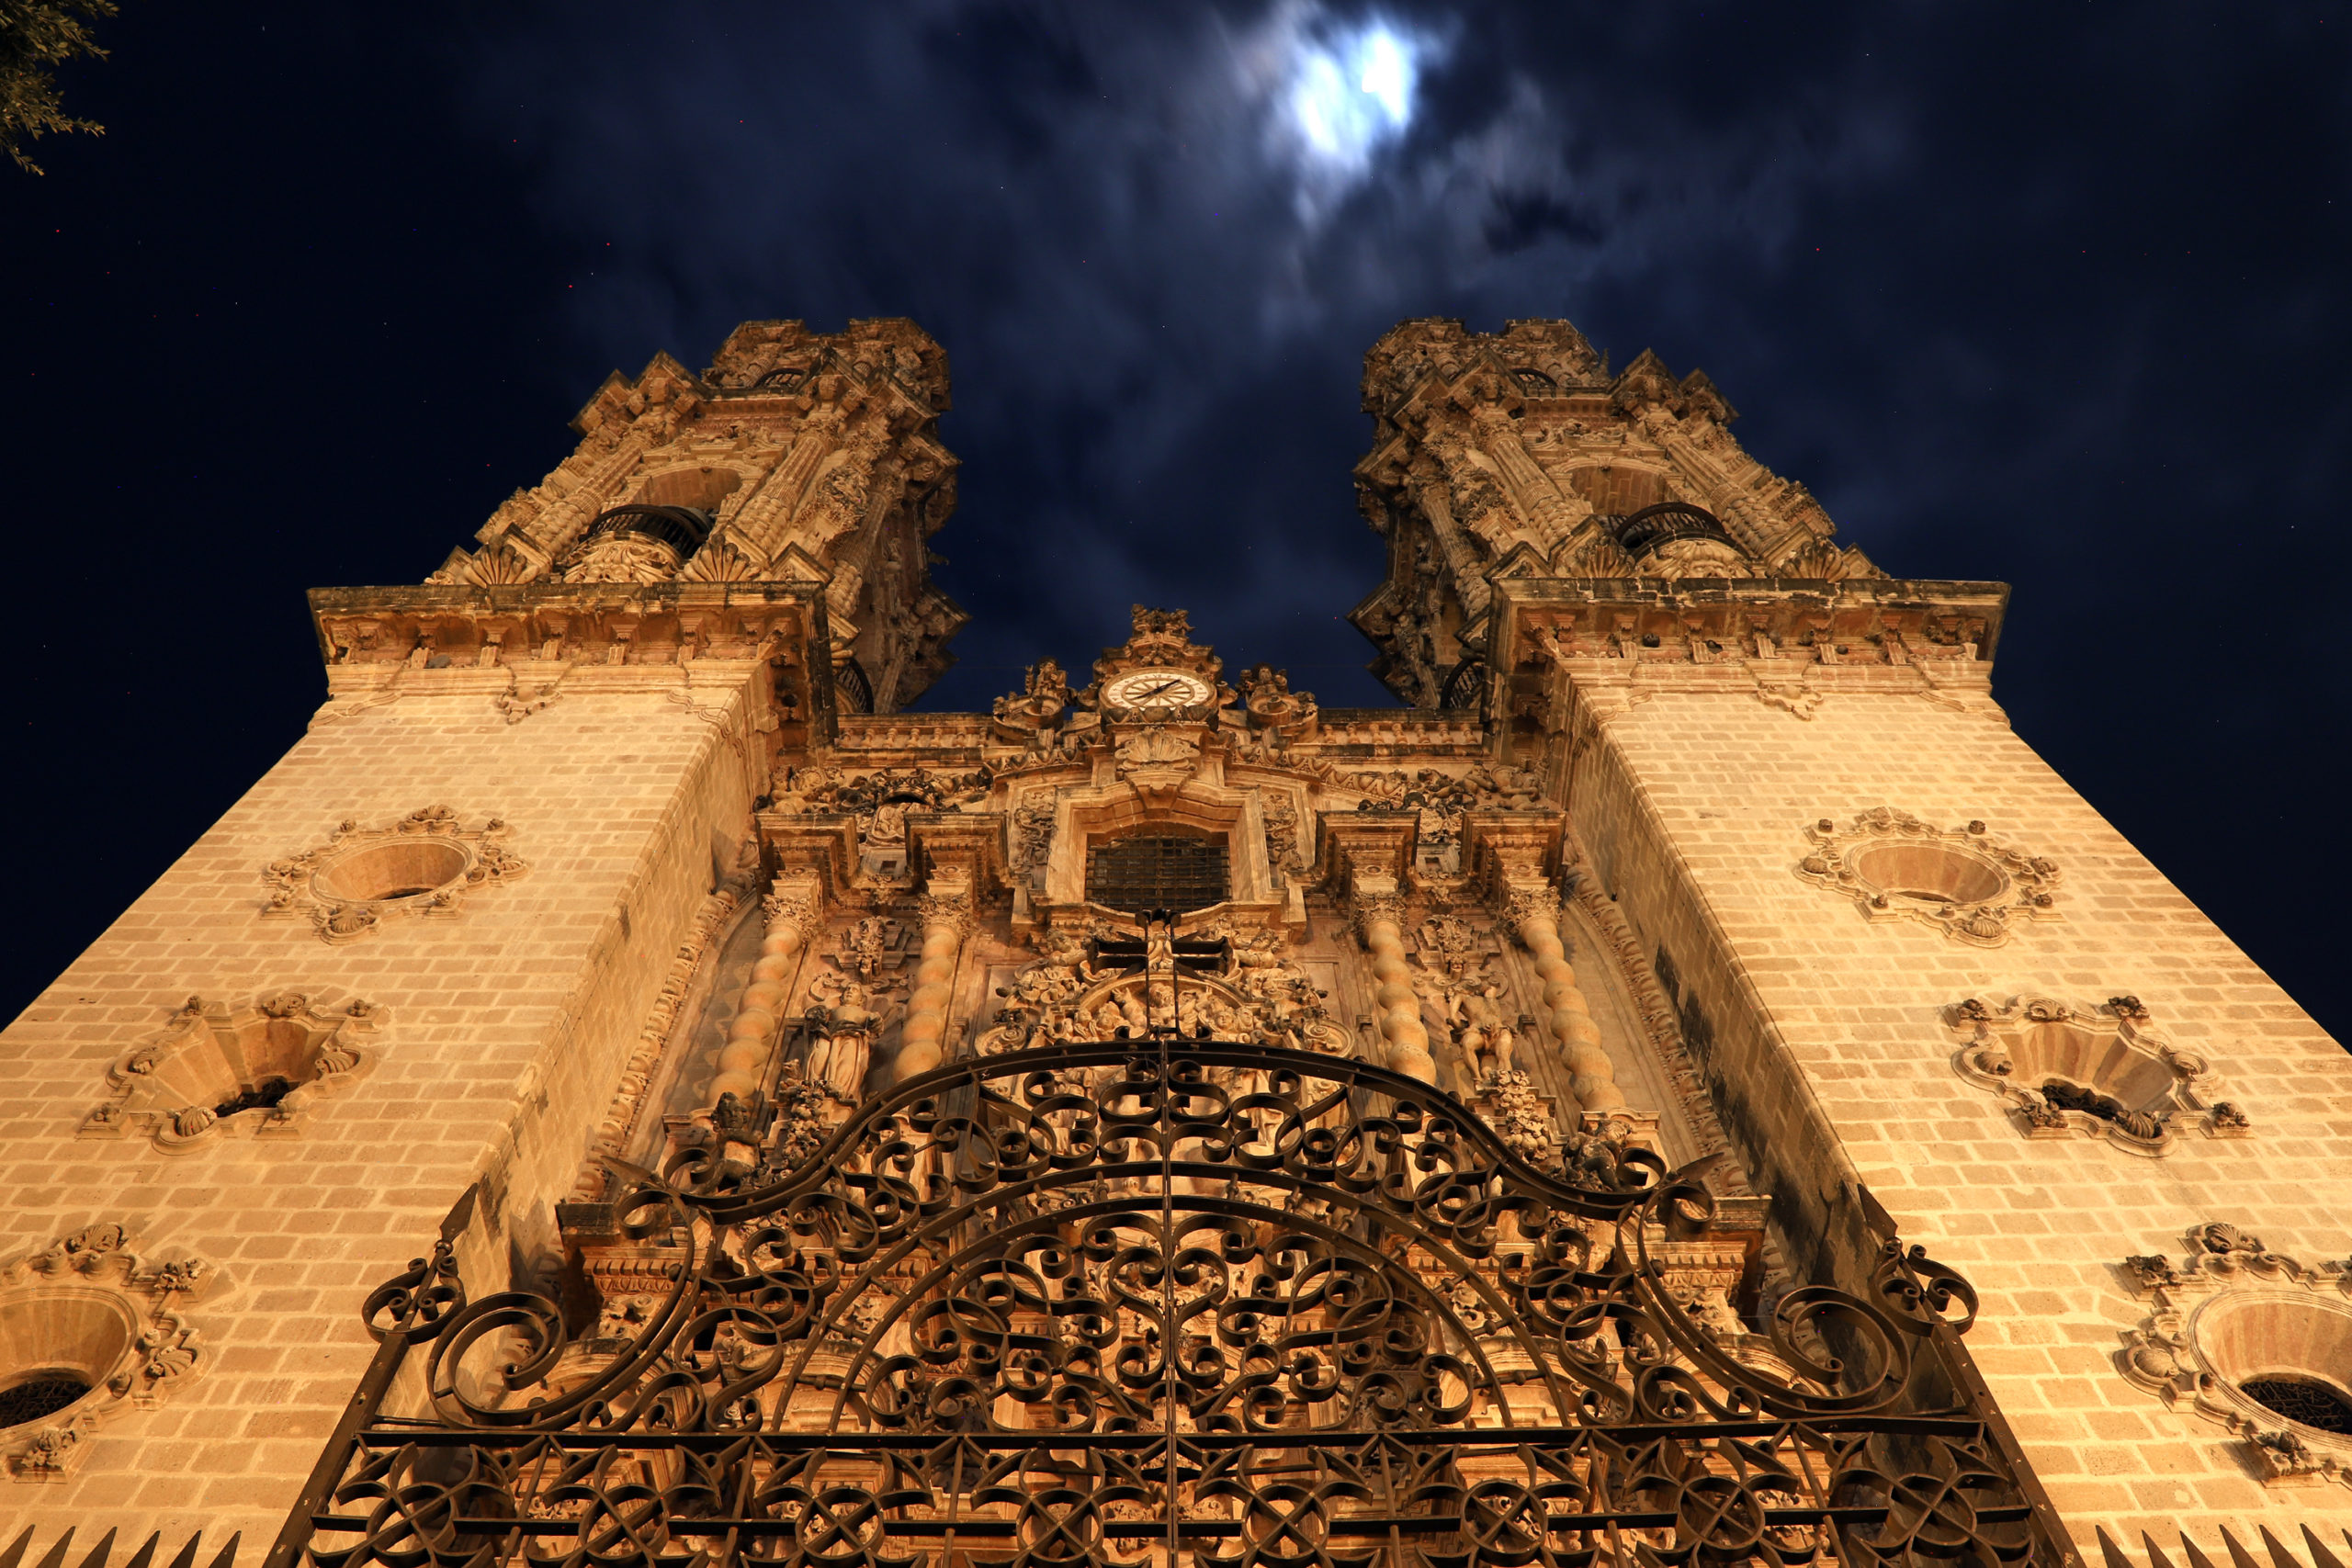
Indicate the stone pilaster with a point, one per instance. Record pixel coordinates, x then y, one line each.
1511 852
1530 489
946 923
793 911
1379 916
1531 909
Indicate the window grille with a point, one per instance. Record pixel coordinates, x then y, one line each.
1135 875
2306 1400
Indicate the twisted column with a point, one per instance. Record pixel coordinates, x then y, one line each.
1379 920
1525 479
1534 913
946 922
766 515
792 913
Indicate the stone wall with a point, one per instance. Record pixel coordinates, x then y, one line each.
1826 1039
502 1029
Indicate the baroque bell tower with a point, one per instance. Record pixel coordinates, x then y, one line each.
1686 1087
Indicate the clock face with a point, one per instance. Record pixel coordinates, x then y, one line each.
1158 689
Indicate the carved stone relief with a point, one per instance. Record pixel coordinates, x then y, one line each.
1894 866
2077 1070
89 1328
1117 982
1441 797
879 800
424 864
2254 1340
1466 1000
221 1071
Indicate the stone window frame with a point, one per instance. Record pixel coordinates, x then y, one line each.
306 885
2118 1053
2233 1311
159 1087
1844 860
95 1280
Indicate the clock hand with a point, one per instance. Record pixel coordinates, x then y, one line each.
1163 686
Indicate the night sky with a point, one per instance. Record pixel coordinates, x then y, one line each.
2049 293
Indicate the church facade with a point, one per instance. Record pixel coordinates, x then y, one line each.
1687 1086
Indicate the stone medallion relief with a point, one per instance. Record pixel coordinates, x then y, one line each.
1894 866
90 1327
2071 1069
221 1071
425 863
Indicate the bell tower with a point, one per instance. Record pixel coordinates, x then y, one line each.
1919 978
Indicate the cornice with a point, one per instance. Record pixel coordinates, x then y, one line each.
456 636
1883 621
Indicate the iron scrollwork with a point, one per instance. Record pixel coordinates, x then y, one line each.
1185 1304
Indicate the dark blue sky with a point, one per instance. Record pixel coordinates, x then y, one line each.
2049 293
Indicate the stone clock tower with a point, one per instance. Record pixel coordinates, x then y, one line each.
1687 1086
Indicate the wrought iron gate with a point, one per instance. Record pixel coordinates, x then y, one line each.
1178 1304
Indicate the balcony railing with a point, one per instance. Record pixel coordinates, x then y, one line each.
683 528
1663 523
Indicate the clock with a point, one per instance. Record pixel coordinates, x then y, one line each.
1158 689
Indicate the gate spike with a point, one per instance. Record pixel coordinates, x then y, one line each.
105 1549
2239 1555
146 1553
2115 1555
56 1558
2197 1558
228 1557
187 1559
2320 1556
2279 1552
16 1552
2156 1558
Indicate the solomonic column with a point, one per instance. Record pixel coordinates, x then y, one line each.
1531 909
793 911
1380 922
947 923
1525 479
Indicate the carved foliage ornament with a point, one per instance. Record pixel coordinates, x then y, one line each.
1894 866
2074 1070
219 1071
425 864
89 1327
2255 1341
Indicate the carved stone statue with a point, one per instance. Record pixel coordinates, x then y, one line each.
843 1048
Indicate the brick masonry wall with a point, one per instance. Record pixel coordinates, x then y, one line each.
507 1025
1824 1041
